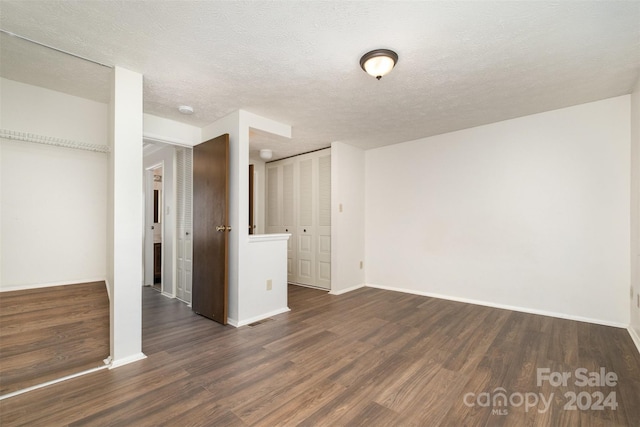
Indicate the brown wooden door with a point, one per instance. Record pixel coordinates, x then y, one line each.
211 228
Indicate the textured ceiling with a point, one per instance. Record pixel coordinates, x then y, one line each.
462 64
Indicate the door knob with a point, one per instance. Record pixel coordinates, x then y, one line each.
221 228
228 228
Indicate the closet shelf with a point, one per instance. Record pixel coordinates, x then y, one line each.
51 140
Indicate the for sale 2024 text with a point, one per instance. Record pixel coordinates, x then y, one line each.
582 377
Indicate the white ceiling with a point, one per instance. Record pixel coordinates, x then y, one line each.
461 64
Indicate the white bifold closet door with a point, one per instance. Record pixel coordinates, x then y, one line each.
299 203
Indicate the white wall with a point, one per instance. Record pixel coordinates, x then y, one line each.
531 213
42 111
170 131
125 218
166 157
635 214
53 200
267 256
347 213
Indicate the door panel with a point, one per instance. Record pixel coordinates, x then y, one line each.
323 230
188 269
305 230
210 228
180 278
289 219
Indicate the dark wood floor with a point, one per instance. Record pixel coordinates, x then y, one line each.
49 333
370 357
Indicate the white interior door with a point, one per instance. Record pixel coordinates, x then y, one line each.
184 197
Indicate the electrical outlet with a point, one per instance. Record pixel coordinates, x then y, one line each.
269 284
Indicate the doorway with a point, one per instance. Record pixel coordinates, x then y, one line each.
154 220
168 219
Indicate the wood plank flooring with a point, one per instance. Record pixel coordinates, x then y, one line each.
367 358
49 333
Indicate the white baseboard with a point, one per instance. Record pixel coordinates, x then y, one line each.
48 285
634 336
237 324
308 286
505 307
125 361
344 291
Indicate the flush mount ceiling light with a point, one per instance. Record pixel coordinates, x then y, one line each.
185 109
266 154
379 62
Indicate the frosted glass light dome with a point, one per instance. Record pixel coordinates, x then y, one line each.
379 62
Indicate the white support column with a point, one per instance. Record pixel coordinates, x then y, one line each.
125 217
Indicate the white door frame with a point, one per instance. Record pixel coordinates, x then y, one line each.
170 262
